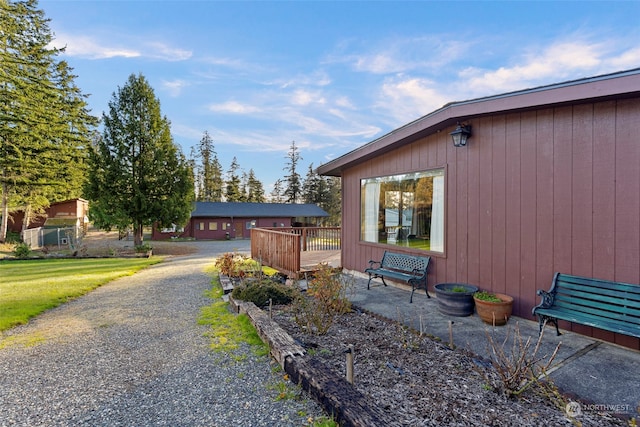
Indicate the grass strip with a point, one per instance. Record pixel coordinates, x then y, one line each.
228 330
29 287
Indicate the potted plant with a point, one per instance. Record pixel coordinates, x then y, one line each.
493 308
455 299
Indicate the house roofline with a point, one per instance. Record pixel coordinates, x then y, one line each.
614 85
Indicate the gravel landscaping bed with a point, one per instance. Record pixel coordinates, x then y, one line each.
132 354
421 382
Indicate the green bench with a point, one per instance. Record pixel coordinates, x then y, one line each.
401 267
603 304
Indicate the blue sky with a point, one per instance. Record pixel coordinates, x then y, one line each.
330 76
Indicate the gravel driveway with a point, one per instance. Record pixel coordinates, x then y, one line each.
132 354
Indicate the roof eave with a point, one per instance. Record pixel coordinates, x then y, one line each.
617 85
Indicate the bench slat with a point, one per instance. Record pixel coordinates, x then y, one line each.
594 321
602 313
599 283
603 304
598 293
623 306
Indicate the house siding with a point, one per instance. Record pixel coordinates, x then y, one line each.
534 192
192 230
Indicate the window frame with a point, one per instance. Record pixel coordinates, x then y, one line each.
436 222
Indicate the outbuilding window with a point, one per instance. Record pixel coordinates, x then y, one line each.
405 210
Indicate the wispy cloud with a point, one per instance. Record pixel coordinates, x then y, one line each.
233 107
561 60
314 78
627 59
94 48
174 87
406 98
303 97
402 54
87 47
165 52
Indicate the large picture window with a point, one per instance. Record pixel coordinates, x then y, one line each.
405 210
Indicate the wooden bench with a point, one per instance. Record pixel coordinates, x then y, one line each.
401 267
603 304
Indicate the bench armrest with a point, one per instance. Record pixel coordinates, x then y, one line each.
547 299
372 262
418 272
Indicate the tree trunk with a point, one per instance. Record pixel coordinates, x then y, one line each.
5 212
137 234
26 220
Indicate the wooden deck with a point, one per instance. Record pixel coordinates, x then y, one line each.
309 259
295 251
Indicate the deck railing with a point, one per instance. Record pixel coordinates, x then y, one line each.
280 247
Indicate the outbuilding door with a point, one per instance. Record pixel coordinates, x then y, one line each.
238 229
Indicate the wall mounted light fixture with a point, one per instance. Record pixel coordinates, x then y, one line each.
460 135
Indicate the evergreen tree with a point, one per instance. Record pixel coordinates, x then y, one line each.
324 191
332 203
45 125
255 189
138 176
293 189
217 182
312 188
233 192
276 193
209 172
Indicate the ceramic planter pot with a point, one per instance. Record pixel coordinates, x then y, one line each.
455 299
495 313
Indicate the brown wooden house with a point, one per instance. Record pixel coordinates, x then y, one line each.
74 211
234 220
548 181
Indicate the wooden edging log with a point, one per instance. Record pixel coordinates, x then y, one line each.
280 343
345 403
339 398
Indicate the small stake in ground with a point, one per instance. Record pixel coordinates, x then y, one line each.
349 352
451 334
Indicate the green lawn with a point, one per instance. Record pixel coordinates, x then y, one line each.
29 287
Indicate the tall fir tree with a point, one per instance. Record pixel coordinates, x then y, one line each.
324 191
332 202
293 189
138 176
312 187
209 175
233 191
45 125
255 189
276 193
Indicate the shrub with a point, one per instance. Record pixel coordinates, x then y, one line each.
22 250
143 248
261 291
517 367
325 299
240 266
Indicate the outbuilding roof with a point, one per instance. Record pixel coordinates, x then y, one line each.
256 210
610 86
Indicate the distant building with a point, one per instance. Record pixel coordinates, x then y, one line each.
72 212
221 220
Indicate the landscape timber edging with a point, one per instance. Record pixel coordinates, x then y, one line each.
342 400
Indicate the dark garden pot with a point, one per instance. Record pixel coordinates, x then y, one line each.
455 299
